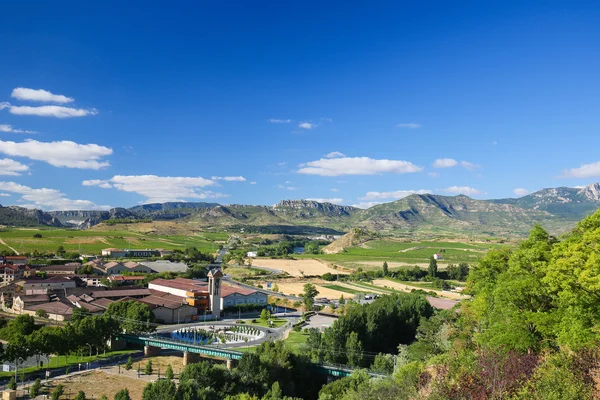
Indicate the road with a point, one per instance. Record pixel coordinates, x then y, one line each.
12 248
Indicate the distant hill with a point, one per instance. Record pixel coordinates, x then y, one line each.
557 209
25 217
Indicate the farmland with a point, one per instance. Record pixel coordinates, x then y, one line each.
93 241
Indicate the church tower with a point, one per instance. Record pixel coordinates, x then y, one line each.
214 292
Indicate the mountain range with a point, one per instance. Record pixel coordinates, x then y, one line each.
557 209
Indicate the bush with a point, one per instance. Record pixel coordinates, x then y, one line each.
80 395
148 370
57 392
129 364
34 390
12 384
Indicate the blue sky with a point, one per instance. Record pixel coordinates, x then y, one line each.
121 103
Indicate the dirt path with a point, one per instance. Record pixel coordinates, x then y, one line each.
12 248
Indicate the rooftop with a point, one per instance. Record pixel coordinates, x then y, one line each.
121 293
189 285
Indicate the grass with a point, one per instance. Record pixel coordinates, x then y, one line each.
277 322
71 360
91 241
341 289
296 341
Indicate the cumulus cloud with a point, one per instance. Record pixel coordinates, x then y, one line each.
335 154
322 200
39 95
11 167
4 195
410 125
287 187
48 111
48 199
229 178
521 192
279 121
591 170
159 189
367 204
469 191
59 154
445 163
468 165
10 129
306 125
356 166
253 183
398 194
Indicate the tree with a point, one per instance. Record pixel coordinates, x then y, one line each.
354 350
383 364
133 316
314 344
432 267
34 390
274 393
129 363
80 395
263 314
41 313
160 390
309 294
12 384
385 268
148 368
342 300
103 397
58 391
60 252
122 394
169 372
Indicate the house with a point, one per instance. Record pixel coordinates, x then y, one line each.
16 260
114 253
110 268
251 254
164 252
55 282
10 272
437 256
55 310
130 253
22 301
232 296
91 280
133 266
168 310
67 269
166 266
126 280
121 293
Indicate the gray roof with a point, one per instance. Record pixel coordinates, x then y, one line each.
166 266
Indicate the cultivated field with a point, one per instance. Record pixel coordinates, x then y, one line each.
93 241
298 268
407 288
296 287
97 383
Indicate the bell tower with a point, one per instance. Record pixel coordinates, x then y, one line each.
214 292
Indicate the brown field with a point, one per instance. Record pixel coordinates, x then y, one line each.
407 288
97 383
294 267
396 264
296 287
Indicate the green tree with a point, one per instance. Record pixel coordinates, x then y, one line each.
432 267
383 364
41 313
34 390
12 384
129 363
169 372
58 391
263 314
122 394
342 300
80 395
274 393
148 369
163 389
385 269
314 344
133 316
309 294
103 397
354 350
60 252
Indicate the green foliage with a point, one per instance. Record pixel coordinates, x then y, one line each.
309 294
458 272
432 270
58 391
41 313
354 350
148 369
35 388
385 269
122 394
383 364
129 363
80 395
338 388
12 384
169 372
163 389
134 317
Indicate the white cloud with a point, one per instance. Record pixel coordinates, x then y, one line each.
433 174
253 183
11 167
334 190
332 201
281 164
398 194
335 154
468 165
48 111
307 125
4 195
49 199
287 187
10 129
159 189
585 171
579 187
445 163
469 191
279 121
356 166
229 178
410 125
39 95
367 204
521 192
60 154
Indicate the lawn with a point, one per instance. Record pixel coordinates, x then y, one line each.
341 289
92 241
296 341
277 322
71 360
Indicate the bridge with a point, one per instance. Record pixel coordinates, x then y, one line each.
152 344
